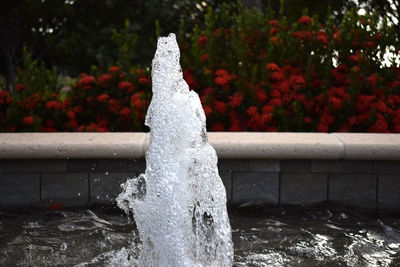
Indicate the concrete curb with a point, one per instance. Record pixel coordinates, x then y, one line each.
240 145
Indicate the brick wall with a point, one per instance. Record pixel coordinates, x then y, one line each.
371 184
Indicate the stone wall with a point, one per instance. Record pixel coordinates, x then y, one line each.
276 169
83 182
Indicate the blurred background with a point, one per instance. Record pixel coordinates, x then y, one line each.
278 65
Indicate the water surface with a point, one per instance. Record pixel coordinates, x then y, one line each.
319 236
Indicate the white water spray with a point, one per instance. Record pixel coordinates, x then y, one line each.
179 203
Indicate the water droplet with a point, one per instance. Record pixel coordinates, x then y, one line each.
106 173
115 153
79 194
98 197
63 246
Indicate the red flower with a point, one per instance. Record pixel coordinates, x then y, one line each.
335 102
352 120
144 80
273 23
19 87
220 107
274 40
380 125
354 58
207 110
305 20
105 79
71 115
303 35
273 31
137 102
218 127
103 98
261 96
297 81
86 82
275 102
338 92
78 109
127 86
252 110
204 57
125 112
372 80
207 91
364 102
4 93
277 76
52 104
369 44
202 40
272 67
321 37
27 120
381 106
217 31
221 72
72 124
235 100
223 78
327 118
267 109
322 127
190 79
113 69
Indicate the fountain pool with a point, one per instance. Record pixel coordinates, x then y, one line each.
285 236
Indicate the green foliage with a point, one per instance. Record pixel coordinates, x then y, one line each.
35 77
126 41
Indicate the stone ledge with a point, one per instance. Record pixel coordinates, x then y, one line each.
71 145
239 145
370 146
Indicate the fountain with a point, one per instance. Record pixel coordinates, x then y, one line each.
179 203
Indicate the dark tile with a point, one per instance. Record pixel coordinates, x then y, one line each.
19 190
68 189
34 165
387 167
342 166
303 188
389 191
106 165
353 189
105 187
254 165
255 186
295 166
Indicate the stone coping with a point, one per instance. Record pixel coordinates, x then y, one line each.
229 145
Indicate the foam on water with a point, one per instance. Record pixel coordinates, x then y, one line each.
179 203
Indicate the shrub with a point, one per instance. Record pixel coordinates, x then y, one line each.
252 72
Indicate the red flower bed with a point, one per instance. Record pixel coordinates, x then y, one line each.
252 73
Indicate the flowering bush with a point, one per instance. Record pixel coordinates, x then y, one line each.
115 101
252 72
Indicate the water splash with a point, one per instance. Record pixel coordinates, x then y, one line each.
179 204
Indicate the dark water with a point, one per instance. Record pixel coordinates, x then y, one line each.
319 236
